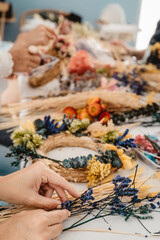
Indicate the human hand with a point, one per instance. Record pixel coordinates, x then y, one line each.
33 225
122 45
65 27
40 35
34 186
23 60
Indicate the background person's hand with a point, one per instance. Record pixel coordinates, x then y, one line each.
139 54
40 35
34 186
23 60
122 45
33 225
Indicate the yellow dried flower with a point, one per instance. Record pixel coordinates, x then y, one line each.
126 160
151 98
97 171
28 137
155 47
109 146
28 125
129 135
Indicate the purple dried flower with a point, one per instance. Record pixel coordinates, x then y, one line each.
153 206
118 179
67 205
87 196
51 126
152 199
129 143
135 199
123 135
158 203
128 192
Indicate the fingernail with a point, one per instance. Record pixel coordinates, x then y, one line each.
59 206
69 214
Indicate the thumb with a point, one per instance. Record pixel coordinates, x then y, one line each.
45 203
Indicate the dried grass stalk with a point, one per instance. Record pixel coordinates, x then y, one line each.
99 192
115 99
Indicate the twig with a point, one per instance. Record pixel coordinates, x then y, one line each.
114 232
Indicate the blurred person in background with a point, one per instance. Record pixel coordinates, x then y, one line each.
20 59
146 55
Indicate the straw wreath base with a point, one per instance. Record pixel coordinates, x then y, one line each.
68 140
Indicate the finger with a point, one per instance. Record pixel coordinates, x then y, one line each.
56 180
33 49
50 35
32 65
44 40
45 202
41 192
57 216
48 191
55 230
61 194
36 59
51 31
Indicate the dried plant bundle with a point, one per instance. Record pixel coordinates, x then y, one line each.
114 100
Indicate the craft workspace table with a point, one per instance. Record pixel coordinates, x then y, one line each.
113 227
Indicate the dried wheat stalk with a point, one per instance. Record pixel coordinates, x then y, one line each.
115 99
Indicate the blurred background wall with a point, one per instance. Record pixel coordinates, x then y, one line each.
90 10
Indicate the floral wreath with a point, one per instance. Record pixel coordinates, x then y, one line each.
34 140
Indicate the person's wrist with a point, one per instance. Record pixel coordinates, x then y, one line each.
22 40
2 190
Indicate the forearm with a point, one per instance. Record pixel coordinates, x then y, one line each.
6 190
2 189
138 54
3 229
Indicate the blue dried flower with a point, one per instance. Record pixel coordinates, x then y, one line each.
129 143
119 179
51 126
136 84
128 192
123 135
153 206
135 199
67 205
87 196
158 203
152 199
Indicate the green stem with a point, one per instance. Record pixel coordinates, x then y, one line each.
143 225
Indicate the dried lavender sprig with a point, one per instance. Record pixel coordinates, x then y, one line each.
127 209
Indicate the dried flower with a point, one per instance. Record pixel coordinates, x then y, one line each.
143 143
128 143
97 171
78 125
51 126
28 137
110 137
77 162
85 198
